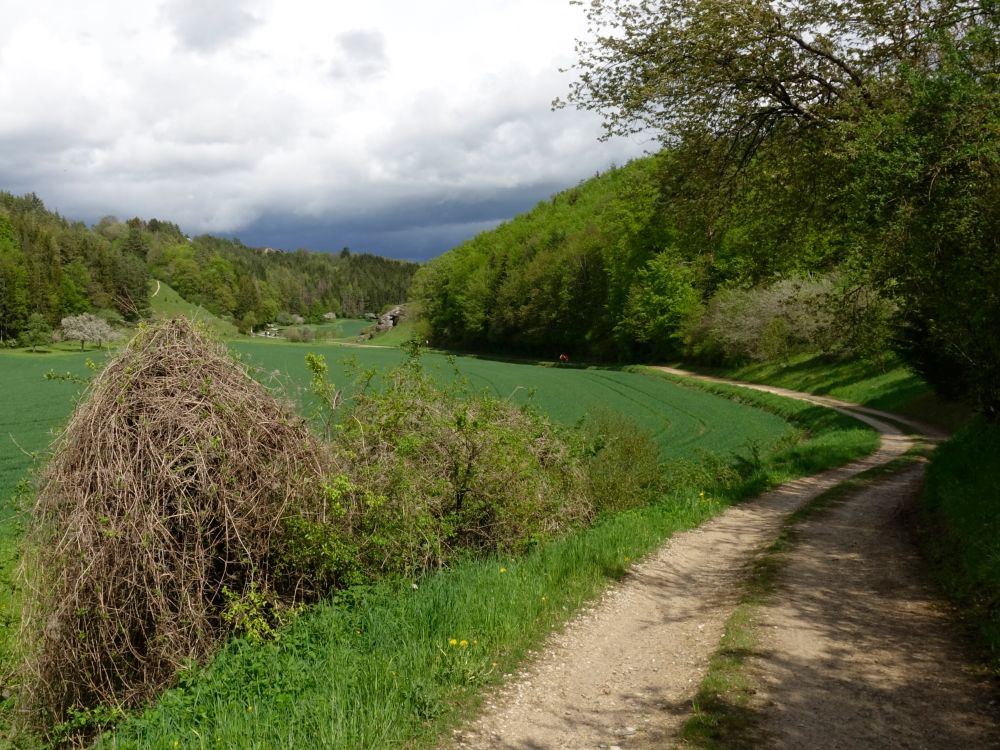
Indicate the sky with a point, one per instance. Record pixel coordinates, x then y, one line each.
393 127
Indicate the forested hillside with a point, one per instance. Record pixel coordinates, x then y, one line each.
829 181
55 268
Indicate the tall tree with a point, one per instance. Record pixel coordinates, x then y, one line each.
742 67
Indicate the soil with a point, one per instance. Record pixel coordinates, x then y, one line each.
846 661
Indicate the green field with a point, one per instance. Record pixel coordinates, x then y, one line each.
683 421
169 304
33 408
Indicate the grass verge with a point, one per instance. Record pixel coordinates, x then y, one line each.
399 664
722 715
959 527
891 386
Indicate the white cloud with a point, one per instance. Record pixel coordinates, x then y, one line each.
216 114
208 26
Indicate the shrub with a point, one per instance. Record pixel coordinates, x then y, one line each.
765 323
623 463
428 475
300 334
158 522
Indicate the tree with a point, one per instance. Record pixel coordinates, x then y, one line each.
87 327
37 333
13 282
740 68
663 298
927 182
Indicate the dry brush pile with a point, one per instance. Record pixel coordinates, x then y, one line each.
165 501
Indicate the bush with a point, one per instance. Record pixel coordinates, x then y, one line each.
427 476
300 334
158 523
765 323
623 463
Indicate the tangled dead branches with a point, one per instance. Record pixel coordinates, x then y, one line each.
166 496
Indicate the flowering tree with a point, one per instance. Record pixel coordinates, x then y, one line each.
87 327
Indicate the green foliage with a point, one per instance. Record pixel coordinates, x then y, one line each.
256 615
961 525
927 168
661 303
433 476
57 269
623 463
324 391
36 333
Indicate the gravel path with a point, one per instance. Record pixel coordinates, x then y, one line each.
623 673
856 651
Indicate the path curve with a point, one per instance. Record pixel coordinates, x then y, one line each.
622 674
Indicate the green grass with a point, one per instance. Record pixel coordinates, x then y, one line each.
34 409
169 304
351 328
397 335
895 388
374 668
960 527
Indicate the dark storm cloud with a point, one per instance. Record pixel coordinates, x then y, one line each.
208 26
414 230
360 55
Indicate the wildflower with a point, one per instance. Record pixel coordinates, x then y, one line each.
452 641
463 643
474 642
503 569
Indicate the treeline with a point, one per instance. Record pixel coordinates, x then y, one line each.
839 196
54 268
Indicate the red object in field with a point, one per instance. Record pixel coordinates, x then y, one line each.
564 358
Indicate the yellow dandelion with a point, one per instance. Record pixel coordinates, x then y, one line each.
452 641
463 643
503 570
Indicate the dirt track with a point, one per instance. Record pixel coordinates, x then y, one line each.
623 673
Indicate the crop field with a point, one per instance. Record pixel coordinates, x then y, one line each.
683 421
32 407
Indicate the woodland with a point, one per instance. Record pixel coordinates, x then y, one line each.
52 268
828 181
